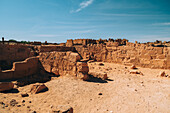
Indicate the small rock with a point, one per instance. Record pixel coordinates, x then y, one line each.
51 106
33 112
29 101
133 67
136 72
163 74
100 94
28 106
24 95
136 90
23 101
2 103
101 64
18 105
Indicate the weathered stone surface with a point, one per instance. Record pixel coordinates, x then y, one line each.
6 86
61 63
83 76
38 87
82 67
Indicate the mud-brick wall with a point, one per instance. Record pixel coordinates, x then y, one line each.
139 54
12 53
59 63
21 69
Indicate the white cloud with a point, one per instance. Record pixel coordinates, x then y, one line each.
83 5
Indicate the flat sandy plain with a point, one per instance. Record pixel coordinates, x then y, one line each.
121 93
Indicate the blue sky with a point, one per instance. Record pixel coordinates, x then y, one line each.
59 20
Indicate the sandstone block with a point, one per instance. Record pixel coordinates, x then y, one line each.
38 87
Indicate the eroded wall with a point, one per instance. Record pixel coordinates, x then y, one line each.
12 53
59 63
139 54
21 69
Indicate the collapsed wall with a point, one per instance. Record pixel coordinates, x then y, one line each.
21 69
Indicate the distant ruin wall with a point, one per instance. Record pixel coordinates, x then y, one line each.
59 63
139 54
55 48
21 69
12 53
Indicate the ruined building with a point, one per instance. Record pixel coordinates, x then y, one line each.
18 61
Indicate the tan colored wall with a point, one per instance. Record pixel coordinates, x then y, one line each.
12 53
21 69
139 54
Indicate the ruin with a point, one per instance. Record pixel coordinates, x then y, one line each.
85 60
62 60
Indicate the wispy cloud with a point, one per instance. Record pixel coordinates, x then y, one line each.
80 31
47 35
83 5
166 23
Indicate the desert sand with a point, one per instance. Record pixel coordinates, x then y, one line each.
122 92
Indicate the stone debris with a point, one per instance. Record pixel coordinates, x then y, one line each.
37 88
136 72
24 95
61 109
101 64
4 86
13 102
133 67
163 74
100 94
101 75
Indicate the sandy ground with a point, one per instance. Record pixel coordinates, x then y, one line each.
121 93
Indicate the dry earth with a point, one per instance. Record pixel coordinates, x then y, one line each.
121 93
